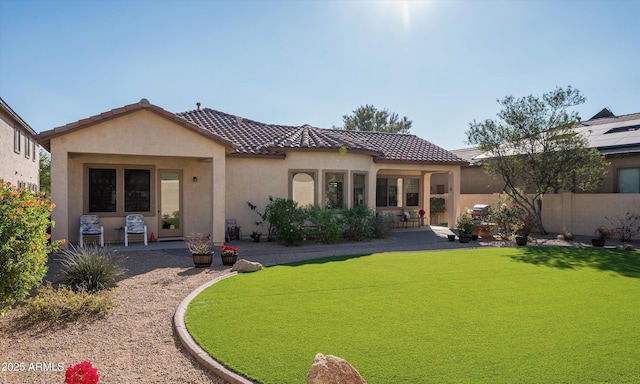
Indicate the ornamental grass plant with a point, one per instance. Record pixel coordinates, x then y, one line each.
89 268
63 304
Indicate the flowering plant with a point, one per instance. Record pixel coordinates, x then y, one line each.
229 251
24 241
421 212
199 244
81 373
465 225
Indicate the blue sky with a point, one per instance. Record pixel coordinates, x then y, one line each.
440 63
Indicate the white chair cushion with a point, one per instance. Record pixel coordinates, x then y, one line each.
135 229
91 229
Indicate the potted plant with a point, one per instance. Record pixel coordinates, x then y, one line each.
602 235
229 255
465 228
264 217
255 235
201 248
421 213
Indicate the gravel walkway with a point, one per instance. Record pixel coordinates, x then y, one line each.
136 342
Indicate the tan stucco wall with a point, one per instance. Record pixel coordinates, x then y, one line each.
139 138
15 167
582 213
255 179
578 213
610 183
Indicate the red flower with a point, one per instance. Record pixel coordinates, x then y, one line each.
81 373
229 251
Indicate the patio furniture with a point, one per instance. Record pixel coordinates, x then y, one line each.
233 231
135 226
90 226
411 217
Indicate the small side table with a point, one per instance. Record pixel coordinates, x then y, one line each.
118 234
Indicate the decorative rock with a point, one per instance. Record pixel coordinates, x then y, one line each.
243 265
626 247
333 370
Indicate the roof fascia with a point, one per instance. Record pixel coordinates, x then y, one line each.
16 117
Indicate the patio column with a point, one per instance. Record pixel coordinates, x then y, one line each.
60 193
426 198
218 188
453 203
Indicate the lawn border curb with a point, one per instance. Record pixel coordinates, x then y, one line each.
193 348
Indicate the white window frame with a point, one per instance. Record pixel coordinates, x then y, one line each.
16 140
27 146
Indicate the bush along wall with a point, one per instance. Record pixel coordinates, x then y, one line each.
24 220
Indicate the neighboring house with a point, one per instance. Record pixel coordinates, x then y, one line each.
19 156
616 137
192 171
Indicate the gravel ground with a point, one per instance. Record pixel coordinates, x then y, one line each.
136 342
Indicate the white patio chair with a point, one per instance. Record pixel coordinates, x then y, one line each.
90 226
135 226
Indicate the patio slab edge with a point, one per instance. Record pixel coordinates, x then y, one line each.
193 348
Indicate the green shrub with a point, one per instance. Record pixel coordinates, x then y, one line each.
382 224
91 269
287 219
63 304
326 225
358 223
506 219
24 219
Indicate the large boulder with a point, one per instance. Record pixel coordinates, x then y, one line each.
243 265
333 370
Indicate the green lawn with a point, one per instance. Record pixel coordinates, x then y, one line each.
497 315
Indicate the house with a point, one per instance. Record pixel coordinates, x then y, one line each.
615 137
191 171
19 156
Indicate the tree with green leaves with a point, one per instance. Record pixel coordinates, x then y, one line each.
369 119
534 148
45 172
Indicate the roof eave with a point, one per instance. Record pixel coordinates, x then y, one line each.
16 117
421 162
278 156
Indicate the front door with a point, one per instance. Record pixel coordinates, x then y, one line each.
170 209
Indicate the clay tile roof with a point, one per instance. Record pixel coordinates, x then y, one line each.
255 138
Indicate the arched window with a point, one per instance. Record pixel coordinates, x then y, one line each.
303 188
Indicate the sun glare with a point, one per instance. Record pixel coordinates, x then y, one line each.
405 13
